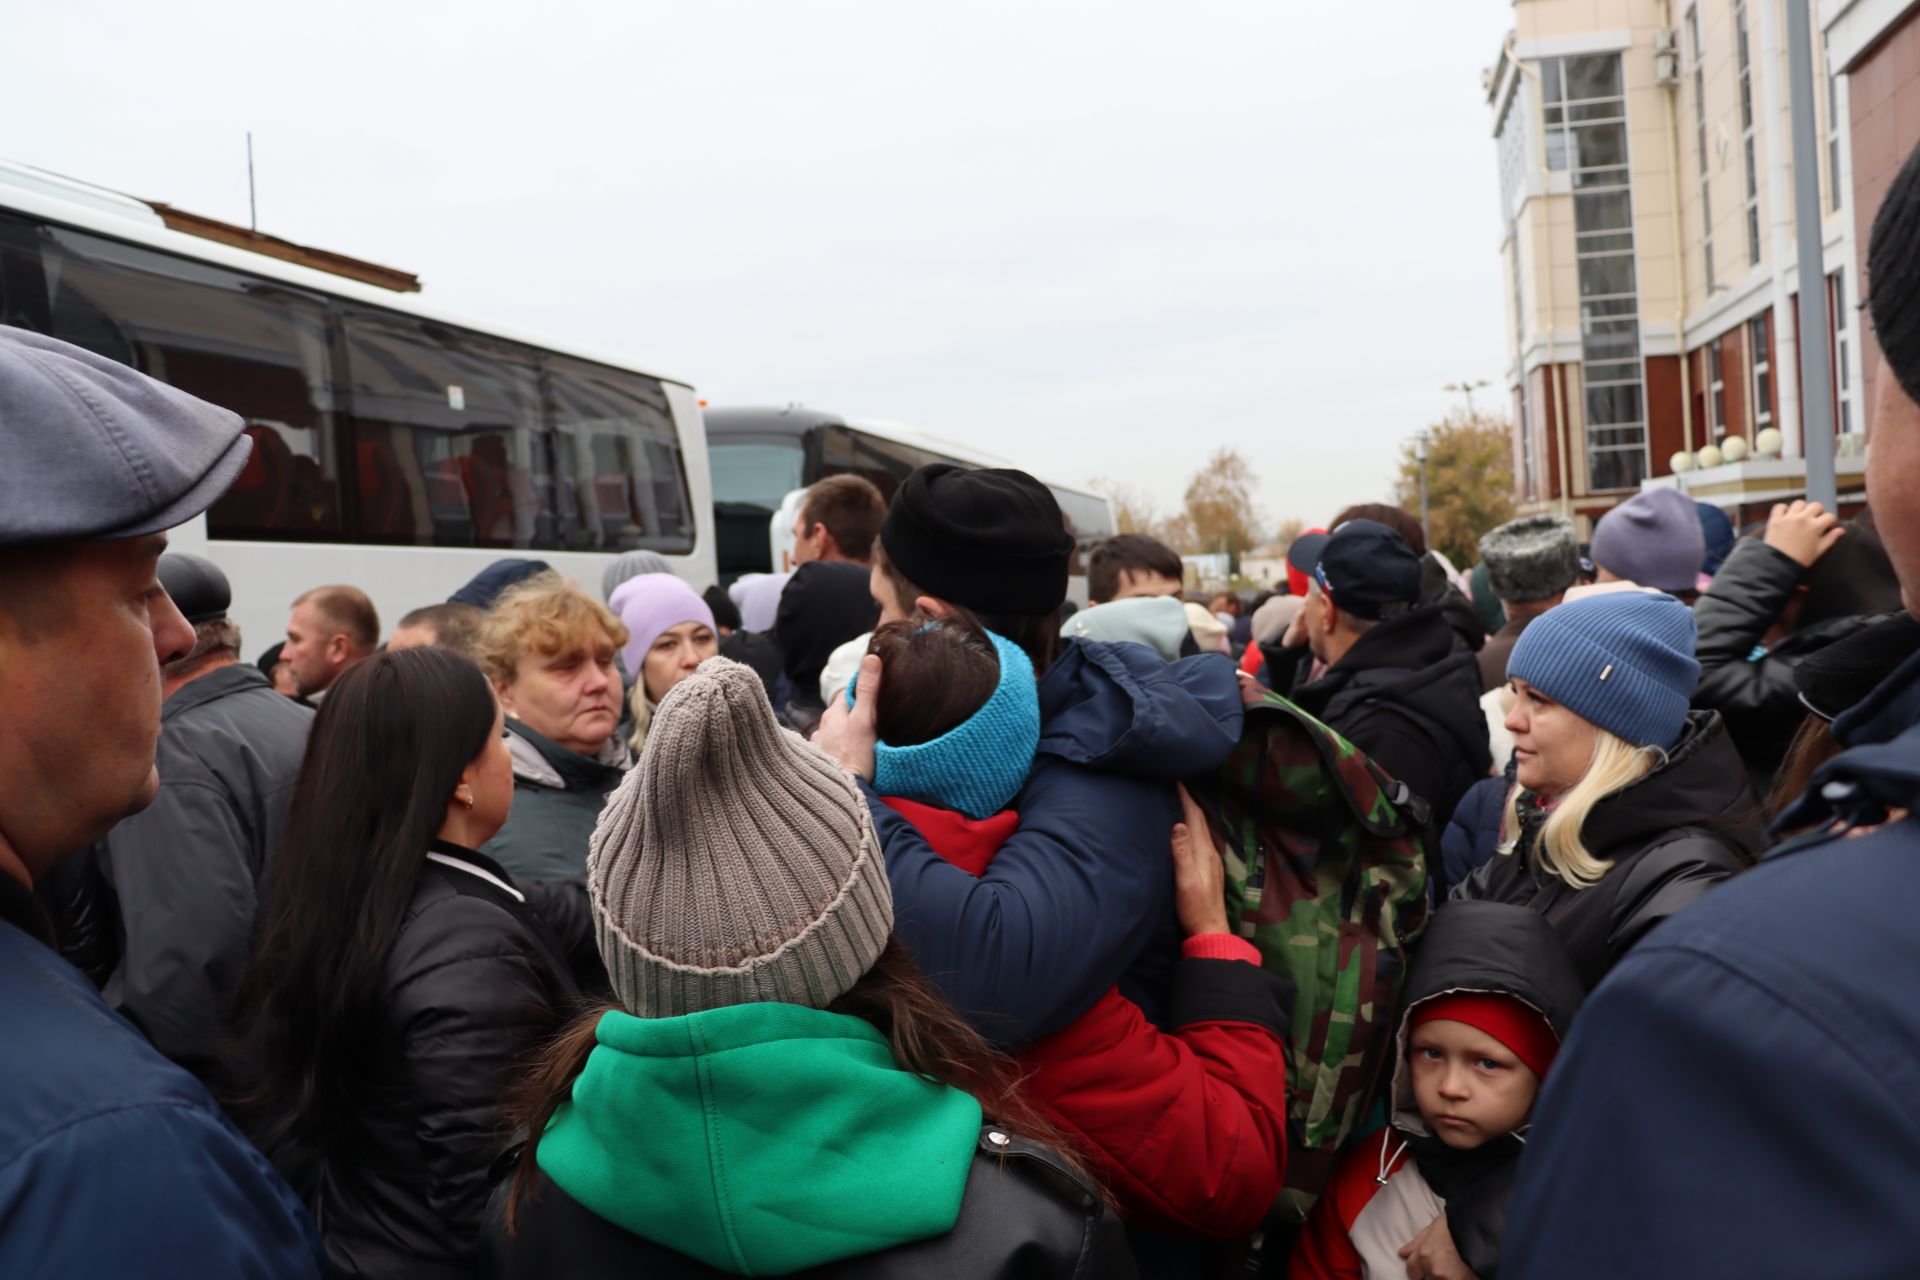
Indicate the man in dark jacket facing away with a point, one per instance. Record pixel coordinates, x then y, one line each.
186 873
1741 1089
113 1161
1393 686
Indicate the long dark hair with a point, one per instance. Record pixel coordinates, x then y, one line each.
383 759
927 1035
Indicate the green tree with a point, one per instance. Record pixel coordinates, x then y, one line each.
1220 509
1469 482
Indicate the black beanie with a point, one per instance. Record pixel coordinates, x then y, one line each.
993 541
1893 275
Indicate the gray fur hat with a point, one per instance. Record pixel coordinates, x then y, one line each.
1531 558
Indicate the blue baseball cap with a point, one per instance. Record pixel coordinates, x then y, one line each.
1362 566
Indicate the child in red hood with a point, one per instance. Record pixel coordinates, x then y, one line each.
1186 1128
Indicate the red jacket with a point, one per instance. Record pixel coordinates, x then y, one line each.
1187 1129
1373 1206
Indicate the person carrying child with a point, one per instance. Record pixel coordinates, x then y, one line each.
1186 1128
1489 1000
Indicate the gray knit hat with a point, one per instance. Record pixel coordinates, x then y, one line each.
1532 558
736 863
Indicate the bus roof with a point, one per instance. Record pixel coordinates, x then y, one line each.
86 207
797 419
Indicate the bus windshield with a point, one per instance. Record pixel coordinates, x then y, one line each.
756 473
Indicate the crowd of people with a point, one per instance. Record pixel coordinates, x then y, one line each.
893 917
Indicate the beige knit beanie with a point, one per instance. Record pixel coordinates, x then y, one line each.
735 863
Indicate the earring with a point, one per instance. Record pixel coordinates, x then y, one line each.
467 799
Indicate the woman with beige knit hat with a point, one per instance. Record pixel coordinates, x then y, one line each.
776 1091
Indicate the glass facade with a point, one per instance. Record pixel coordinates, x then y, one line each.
1700 142
1747 131
1760 359
1586 107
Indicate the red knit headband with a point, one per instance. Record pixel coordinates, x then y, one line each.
1508 1019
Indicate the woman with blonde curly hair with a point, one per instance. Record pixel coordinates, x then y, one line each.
549 649
1625 806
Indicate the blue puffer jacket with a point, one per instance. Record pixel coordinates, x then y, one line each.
1081 896
1472 835
113 1161
1742 1091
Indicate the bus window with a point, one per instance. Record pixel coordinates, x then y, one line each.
447 442
621 479
248 344
750 477
849 451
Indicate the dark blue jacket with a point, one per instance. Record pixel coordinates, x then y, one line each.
1081 896
1473 834
1741 1096
113 1161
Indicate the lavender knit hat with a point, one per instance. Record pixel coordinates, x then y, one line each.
1653 539
736 863
651 604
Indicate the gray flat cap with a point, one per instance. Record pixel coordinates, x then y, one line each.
91 449
1531 558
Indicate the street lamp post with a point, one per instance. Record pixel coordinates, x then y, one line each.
1420 452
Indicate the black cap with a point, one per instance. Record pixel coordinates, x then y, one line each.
1363 567
199 590
989 540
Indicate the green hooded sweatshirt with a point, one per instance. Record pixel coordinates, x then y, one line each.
761 1139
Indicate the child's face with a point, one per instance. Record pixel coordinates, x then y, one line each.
1468 1085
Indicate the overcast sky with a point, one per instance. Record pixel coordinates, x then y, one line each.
1100 239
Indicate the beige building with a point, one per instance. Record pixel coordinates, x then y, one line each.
1648 241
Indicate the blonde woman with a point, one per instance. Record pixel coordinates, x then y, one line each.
1625 806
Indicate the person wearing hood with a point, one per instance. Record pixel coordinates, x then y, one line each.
1395 685
1653 540
776 1090
826 604
1158 622
670 632
1491 997
1778 600
1625 807
1772 1122
1186 1127
1080 896
549 649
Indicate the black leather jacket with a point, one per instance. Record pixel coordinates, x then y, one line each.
1025 1216
477 981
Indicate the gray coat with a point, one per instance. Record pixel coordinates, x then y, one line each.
188 871
557 798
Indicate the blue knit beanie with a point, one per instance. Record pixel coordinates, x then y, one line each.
1623 661
979 765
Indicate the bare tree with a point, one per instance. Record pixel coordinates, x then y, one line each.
1220 506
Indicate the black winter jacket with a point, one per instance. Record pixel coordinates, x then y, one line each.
161 912
477 980
1669 837
1754 688
1409 698
1488 947
1024 1215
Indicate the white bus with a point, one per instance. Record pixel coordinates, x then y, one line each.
762 459
395 447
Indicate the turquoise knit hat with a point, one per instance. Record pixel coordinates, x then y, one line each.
1623 661
979 765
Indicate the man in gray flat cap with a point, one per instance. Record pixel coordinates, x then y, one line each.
113 1161
1530 564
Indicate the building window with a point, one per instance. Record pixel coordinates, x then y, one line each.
1716 392
1586 108
1833 139
1747 132
1700 142
1842 341
1761 359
